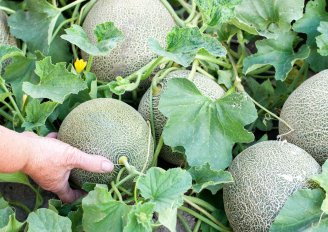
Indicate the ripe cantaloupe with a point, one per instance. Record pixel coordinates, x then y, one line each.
139 20
265 174
306 111
5 37
206 86
110 128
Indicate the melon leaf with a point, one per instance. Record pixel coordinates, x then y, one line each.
21 69
206 129
7 51
322 40
168 218
280 55
36 27
108 36
56 82
47 220
140 218
206 178
314 13
101 210
37 113
322 180
8 222
164 188
269 18
217 11
183 44
301 212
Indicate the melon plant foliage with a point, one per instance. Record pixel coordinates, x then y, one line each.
258 56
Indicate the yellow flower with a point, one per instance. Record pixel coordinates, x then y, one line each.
24 98
80 65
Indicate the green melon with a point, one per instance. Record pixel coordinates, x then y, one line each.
265 175
306 111
139 20
110 128
206 86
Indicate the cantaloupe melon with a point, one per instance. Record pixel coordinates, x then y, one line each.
110 128
206 86
265 174
139 20
5 37
306 111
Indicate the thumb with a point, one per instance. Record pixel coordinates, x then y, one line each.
91 163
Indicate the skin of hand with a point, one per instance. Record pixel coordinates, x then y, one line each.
48 161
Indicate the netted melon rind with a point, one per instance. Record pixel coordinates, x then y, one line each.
306 111
139 20
110 128
206 86
265 175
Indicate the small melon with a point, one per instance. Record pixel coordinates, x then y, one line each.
265 175
306 111
139 20
110 128
206 86
5 37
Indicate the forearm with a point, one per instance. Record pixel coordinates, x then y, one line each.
14 150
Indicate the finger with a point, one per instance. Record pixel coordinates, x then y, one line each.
52 135
68 195
91 163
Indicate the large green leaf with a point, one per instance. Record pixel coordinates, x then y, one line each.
140 218
315 13
277 52
183 44
37 113
101 212
301 212
17 177
164 188
7 51
56 82
206 178
47 220
270 17
322 180
21 69
5 212
8 221
108 36
36 25
217 11
322 40
13 225
206 129
168 218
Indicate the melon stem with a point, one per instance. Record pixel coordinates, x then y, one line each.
204 219
172 12
116 191
203 211
157 151
184 222
195 64
197 226
8 10
192 13
240 88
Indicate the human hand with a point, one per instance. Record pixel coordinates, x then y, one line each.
50 162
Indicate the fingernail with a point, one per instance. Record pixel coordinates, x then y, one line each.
107 166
